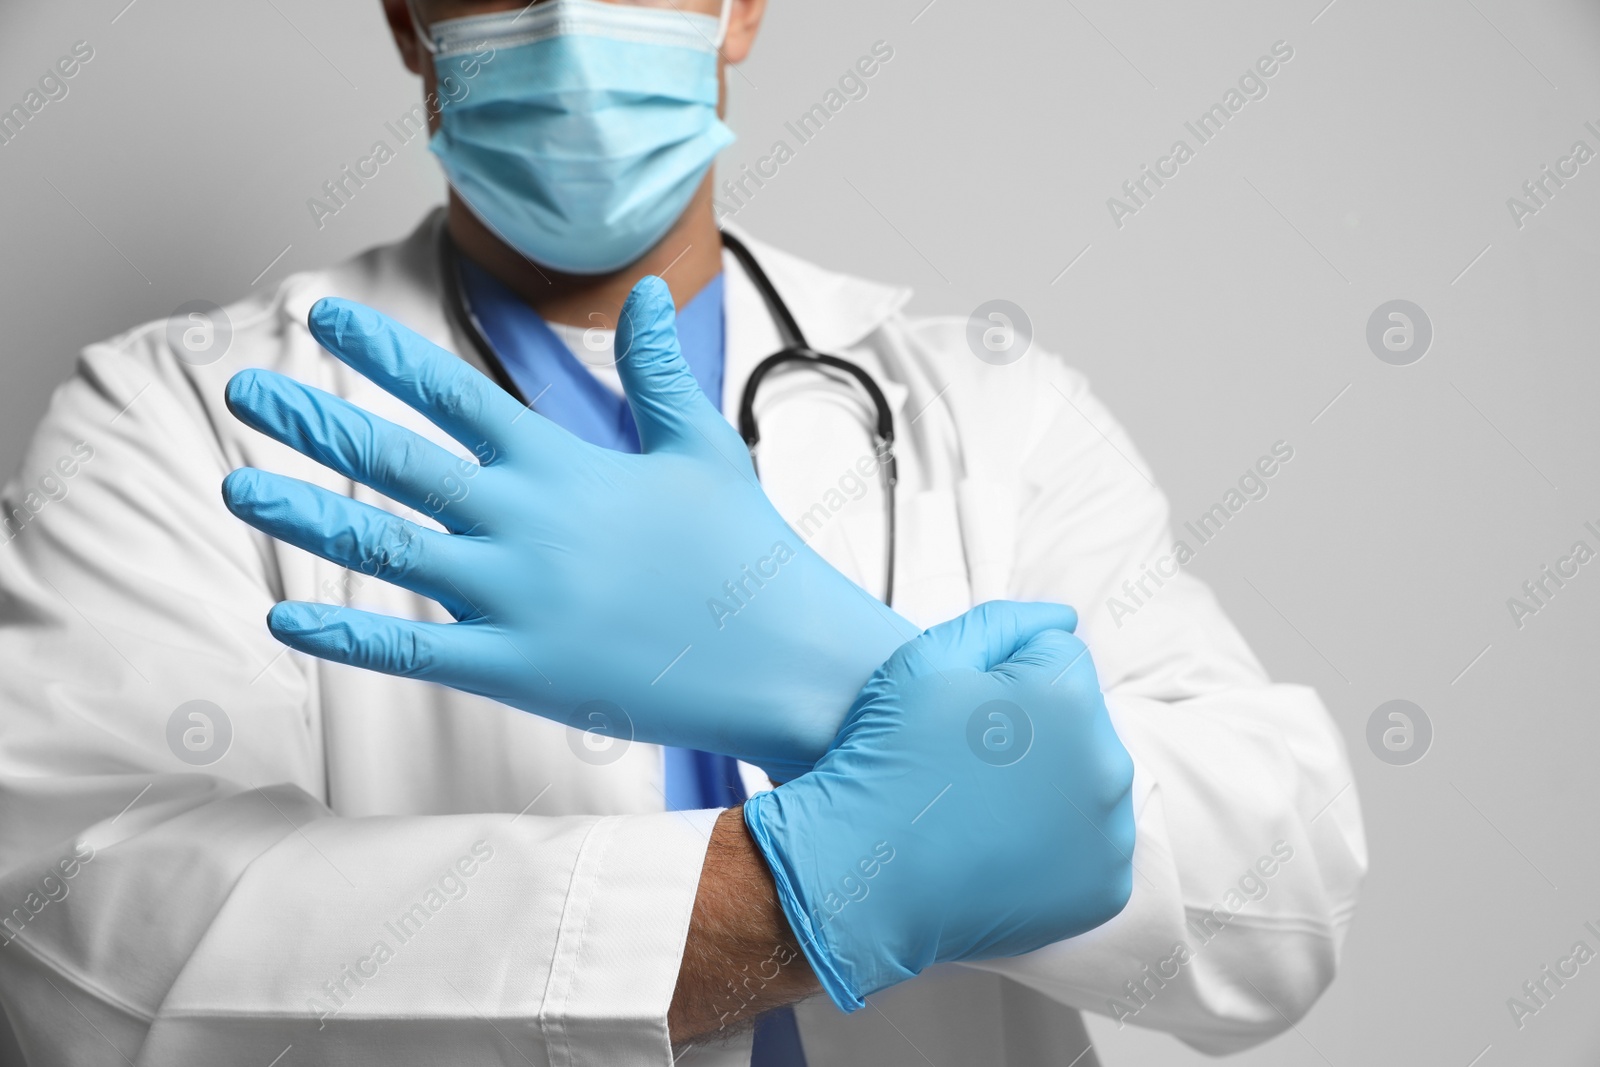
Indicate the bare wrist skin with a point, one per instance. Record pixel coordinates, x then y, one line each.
741 958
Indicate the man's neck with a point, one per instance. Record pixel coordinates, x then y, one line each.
687 259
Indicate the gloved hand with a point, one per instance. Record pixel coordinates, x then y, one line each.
657 596
976 804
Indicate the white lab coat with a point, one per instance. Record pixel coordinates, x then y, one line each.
446 872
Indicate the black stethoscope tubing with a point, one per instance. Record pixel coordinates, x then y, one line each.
794 349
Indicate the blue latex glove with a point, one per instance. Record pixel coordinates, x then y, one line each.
656 596
976 804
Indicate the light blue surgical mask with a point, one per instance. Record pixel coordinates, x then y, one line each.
583 137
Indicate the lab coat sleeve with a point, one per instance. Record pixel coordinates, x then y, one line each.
1250 847
157 911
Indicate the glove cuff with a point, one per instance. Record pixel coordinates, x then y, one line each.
827 967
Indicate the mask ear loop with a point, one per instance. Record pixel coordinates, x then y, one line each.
722 24
420 29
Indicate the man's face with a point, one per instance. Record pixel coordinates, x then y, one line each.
431 11
744 21
541 209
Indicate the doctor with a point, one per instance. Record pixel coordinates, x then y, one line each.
216 850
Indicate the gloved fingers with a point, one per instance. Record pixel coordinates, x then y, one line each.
669 407
1055 657
781 771
1062 676
991 633
357 444
359 537
437 652
450 393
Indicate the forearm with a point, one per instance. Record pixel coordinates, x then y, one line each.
741 958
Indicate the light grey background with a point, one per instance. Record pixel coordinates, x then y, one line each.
1223 317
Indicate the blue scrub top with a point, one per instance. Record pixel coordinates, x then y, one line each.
570 396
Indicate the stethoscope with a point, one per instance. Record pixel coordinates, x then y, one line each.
794 349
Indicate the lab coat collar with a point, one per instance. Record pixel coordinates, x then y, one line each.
835 312
401 280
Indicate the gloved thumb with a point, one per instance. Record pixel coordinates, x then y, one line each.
669 407
1060 657
991 633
